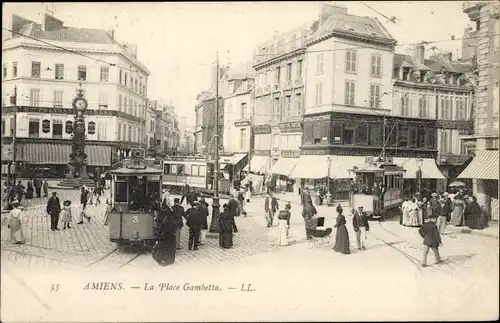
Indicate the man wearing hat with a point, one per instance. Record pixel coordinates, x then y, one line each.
361 227
435 206
432 240
54 208
444 213
185 191
194 220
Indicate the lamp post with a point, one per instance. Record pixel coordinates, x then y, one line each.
419 174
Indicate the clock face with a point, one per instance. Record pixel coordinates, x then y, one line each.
80 104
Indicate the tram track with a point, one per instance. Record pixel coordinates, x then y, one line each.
115 258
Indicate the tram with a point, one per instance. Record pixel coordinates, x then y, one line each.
378 187
197 172
135 185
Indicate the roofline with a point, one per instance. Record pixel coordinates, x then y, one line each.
271 61
353 35
447 87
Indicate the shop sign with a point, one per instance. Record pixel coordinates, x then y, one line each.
71 111
454 159
242 123
318 118
316 152
290 153
261 129
295 126
7 152
454 124
261 152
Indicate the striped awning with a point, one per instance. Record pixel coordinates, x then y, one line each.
284 166
483 166
58 154
429 168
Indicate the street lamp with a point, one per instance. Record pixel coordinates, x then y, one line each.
419 174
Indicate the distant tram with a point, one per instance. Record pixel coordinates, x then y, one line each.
135 184
378 187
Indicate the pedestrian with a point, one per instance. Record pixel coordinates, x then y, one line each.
66 214
109 207
29 190
6 193
310 223
84 193
361 227
435 206
473 214
191 196
405 212
165 248
15 224
241 202
226 220
19 191
234 210
432 240
195 222
185 190
457 215
305 196
270 207
84 196
443 215
45 187
54 209
248 195
413 213
38 186
284 225
203 208
178 212
98 192
166 197
341 236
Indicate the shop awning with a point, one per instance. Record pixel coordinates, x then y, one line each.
340 165
234 159
429 168
284 166
311 167
259 164
46 153
483 166
98 155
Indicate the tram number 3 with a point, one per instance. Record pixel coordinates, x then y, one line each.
135 219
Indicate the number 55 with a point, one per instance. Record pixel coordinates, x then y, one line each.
54 288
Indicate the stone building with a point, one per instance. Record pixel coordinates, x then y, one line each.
483 170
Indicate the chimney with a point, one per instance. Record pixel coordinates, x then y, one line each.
447 56
419 53
111 34
51 23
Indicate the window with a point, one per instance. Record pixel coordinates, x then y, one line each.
336 132
403 137
362 134
35 69
124 132
421 137
14 69
57 128
91 128
319 93
268 77
422 106
276 109
376 70
289 71
46 126
375 135
298 103
125 79
58 99
140 87
59 71
126 107
104 73
119 102
82 72
103 100
348 134
34 128
121 77
119 133
4 70
349 93
350 61
412 137
243 110
445 109
35 97
288 106
278 75
231 87
375 96
460 110
431 133
243 138
135 85
405 106
299 68
444 142
69 127
129 134
319 63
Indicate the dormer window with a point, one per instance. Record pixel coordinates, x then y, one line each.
406 74
422 76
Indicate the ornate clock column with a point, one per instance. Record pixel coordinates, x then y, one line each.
77 175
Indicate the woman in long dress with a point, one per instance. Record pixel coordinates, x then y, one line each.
14 224
405 208
413 214
284 225
457 215
341 236
29 190
166 246
226 228
420 211
473 214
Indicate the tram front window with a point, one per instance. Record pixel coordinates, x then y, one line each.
121 192
137 194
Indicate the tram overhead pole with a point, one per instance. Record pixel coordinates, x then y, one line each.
214 223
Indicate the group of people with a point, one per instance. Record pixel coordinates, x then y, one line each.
458 210
33 188
361 227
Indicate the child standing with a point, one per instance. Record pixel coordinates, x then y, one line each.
66 214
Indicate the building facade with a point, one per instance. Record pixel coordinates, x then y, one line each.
46 78
436 89
279 101
483 170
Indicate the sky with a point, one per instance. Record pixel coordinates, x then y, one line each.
178 41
